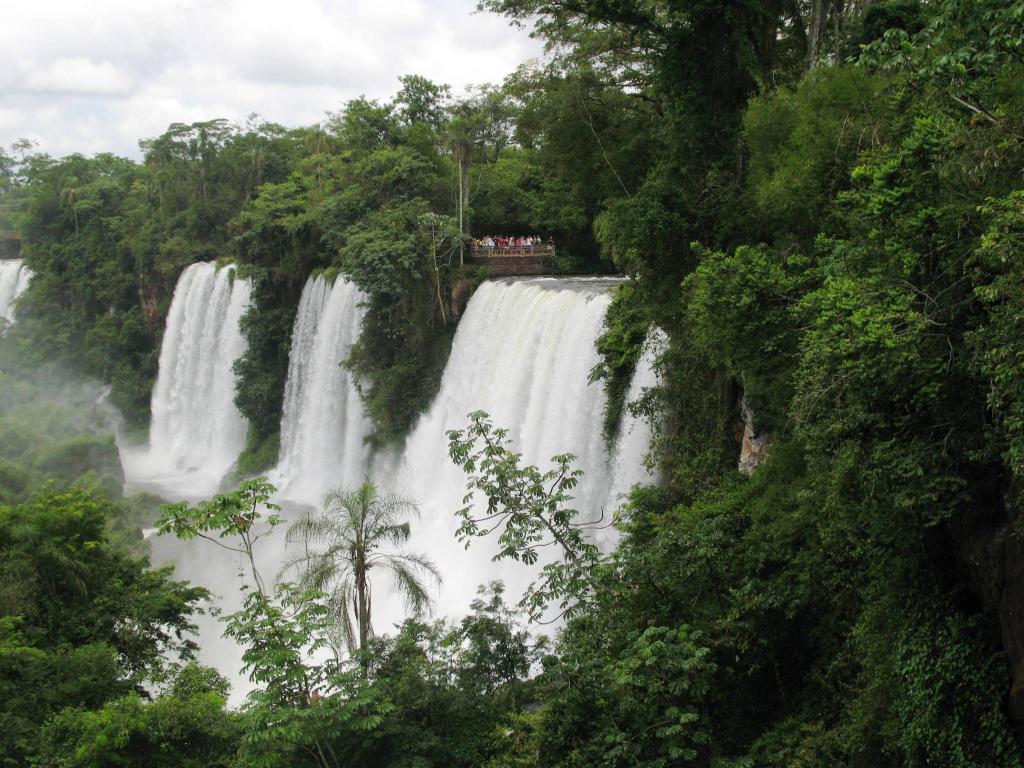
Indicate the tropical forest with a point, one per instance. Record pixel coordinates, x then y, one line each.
658 404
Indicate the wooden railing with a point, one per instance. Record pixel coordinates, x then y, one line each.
518 260
545 250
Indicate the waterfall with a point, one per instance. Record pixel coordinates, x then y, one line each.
323 423
522 353
14 279
196 432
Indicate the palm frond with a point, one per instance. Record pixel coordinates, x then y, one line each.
418 561
396 533
312 529
393 507
338 603
408 583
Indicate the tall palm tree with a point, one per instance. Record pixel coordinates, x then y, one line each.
349 539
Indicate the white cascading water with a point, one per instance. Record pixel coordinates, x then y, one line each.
523 353
323 422
14 279
196 432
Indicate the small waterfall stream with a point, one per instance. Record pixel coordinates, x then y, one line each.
634 435
14 279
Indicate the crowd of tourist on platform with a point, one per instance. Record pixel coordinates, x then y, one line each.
500 241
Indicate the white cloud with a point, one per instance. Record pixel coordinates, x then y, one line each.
98 76
78 76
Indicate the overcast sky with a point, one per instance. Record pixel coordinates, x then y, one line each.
97 75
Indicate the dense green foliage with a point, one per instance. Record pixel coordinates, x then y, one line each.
432 695
853 284
839 250
81 623
107 238
820 204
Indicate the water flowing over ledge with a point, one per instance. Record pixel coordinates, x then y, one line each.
633 441
323 423
196 432
523 353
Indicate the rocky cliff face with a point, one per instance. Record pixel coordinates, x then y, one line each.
462 290
992 556
10 246
753 446
149 302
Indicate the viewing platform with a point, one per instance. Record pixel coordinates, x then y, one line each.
517 260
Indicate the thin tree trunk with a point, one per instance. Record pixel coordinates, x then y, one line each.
464 190
363 617
437 279
320 753
838 18
463 172
255 573
816 26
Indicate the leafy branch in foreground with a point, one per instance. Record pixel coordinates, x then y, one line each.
239 513
531 509
299 703
278 636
